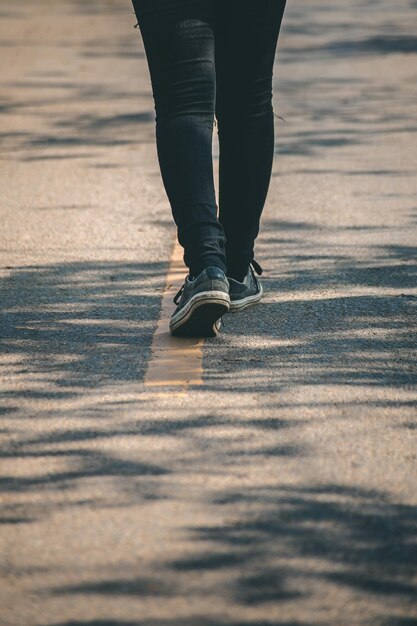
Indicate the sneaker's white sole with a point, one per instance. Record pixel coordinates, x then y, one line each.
238 305
215 304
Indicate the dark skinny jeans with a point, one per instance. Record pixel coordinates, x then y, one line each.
213 59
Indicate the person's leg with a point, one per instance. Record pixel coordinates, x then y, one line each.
246 33
179 44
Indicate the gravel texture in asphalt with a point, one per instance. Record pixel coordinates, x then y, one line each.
281 492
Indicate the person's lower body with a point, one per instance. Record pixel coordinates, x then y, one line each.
207 59
212 59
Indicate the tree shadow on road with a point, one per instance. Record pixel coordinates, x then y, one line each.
279 543
330 317
364 334
78 325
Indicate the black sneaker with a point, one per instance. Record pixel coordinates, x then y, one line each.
247 292
201 304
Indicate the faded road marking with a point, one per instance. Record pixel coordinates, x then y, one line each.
174 361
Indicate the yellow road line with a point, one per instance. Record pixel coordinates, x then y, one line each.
174 361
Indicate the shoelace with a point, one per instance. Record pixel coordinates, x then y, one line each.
178 295
258 269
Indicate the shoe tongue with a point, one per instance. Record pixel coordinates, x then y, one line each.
214 272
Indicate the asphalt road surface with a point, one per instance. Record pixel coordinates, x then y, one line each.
283 491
